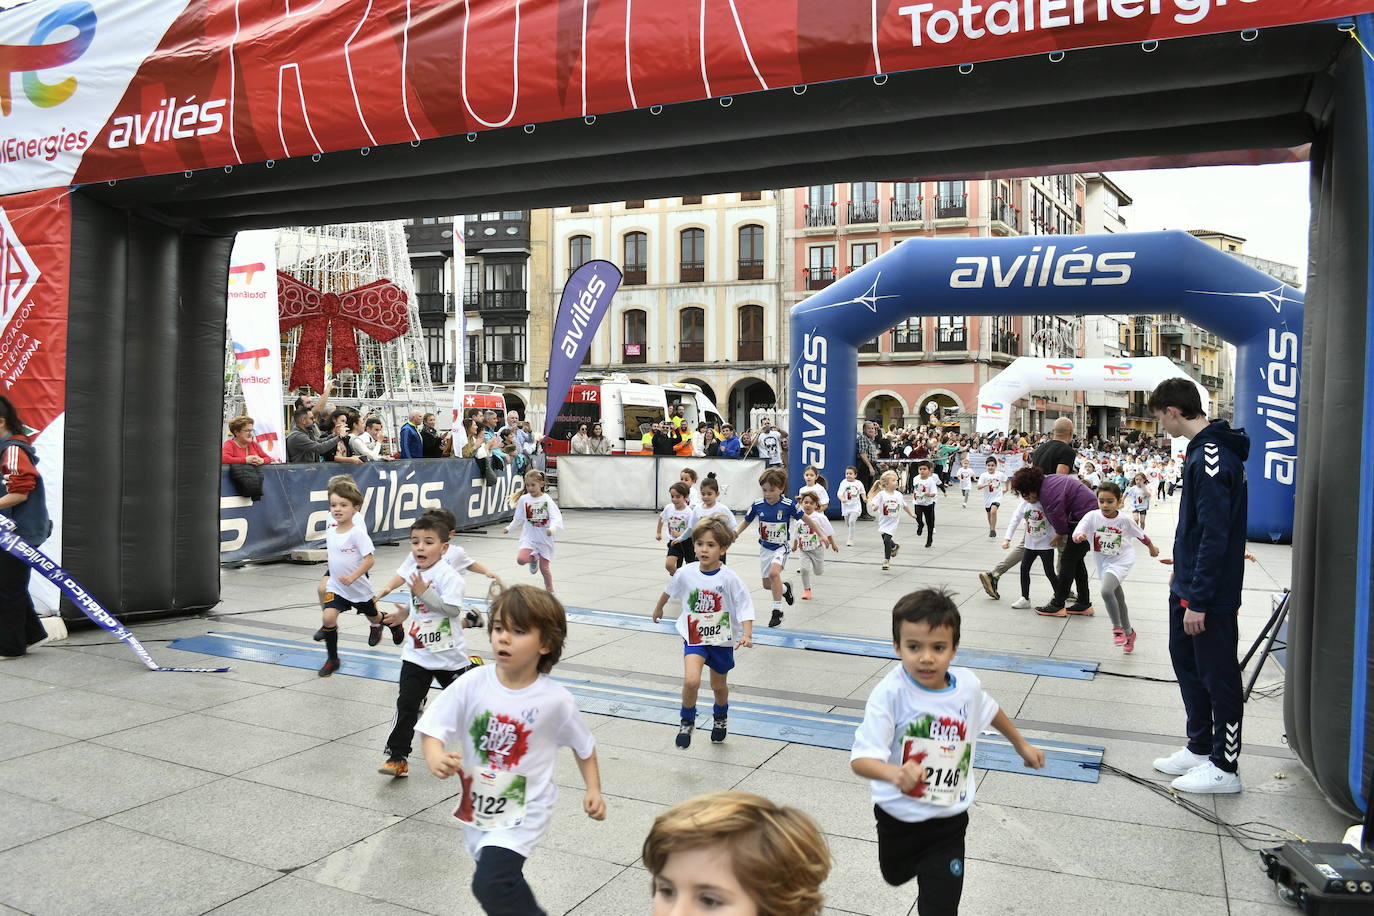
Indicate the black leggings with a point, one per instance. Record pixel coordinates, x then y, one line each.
499 884
888 546
925 518
19 624
1046 561
932 852
410 699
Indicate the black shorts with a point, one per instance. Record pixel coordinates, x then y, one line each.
367 608
931 851
684 551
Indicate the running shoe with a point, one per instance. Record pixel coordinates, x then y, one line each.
374 634
1208 779
396 767
989 581
398 635
1118 636
776 619
895 547
992 532
1179 762
533 565
1020 603
1080 610
1128 646
787 593
718 730
1051 610
806 594
329 667
684 733
886 565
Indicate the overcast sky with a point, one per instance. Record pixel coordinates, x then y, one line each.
1264 204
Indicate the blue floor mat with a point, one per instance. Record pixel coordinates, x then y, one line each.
1063 760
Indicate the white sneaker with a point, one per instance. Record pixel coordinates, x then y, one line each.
1208 779
1179 762
1021 602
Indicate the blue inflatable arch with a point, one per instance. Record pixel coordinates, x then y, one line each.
1122 274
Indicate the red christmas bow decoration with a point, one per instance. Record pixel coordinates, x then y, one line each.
377 309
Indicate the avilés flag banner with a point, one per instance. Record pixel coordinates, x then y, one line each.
255 337
585 300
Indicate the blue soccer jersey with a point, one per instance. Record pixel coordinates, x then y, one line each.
775 520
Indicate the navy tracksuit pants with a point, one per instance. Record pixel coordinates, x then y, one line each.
1209 679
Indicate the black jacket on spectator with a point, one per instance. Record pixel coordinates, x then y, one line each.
431 446
663 443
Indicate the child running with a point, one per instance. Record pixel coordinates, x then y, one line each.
717 616
733 852
991 482
815 483
775 514
435 649
924 491
506 723
850 493
1139 498
915 746
1111 534
887 503
965 477
689 477
454 556
351 556
711 506
537 517
1038 544
810 544
677 515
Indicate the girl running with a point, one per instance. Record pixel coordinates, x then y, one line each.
850 493
689 477
1111 534
923 494
815 483
537 517
1139 498
677 515
810 544
1039 544
887 503
965 478
991 483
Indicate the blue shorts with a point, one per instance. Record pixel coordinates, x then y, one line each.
719 659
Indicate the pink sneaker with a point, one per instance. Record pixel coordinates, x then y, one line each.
1118 636
1128 646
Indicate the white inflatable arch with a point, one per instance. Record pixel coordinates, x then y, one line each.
1027 374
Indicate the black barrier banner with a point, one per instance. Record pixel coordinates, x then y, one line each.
294 510
16 546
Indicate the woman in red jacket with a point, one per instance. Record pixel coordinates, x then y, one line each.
241 447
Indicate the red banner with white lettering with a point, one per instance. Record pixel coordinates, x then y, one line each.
106 89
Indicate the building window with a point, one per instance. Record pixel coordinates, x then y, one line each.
691 323
951 200
580 208
636 336
751 252
751 195
820 205
906 202
636 258
440 369
579 251
751 333
692 255
472 364
429 289
1004 337
508 275
863 202
909 336
861 254
634 205
820 269
505 345
690 200
951 333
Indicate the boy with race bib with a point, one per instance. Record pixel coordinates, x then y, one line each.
677 515
434 649
506 723
346 587
915 746
775 514
717 615
850 493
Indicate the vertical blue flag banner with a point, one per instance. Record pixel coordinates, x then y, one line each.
586 299
16 546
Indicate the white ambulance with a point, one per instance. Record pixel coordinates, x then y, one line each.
625 410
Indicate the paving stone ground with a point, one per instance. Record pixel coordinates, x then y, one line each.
255 792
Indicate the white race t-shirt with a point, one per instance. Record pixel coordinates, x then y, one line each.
434 635
699 513
903 718
537 518
850 493
507 738
1112 539
808 539
822 497
1139 498
990 484
714 604
965 478
1039 534
924 491
346 554
677 522
888 507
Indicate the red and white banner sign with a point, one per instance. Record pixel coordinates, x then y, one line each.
105 89
255 337
35 237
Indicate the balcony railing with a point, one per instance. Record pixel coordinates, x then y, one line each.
472 371
1007 342
1140 412
1214 382
907 340
692 272
636 275
951 339
751 351
471 298
441 373
1003 212
505 371
691 352
751 268
819 215
904 211
504 299
819 277
633 353
434 303
869 346
863 211
951 207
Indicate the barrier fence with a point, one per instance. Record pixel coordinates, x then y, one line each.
642 481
